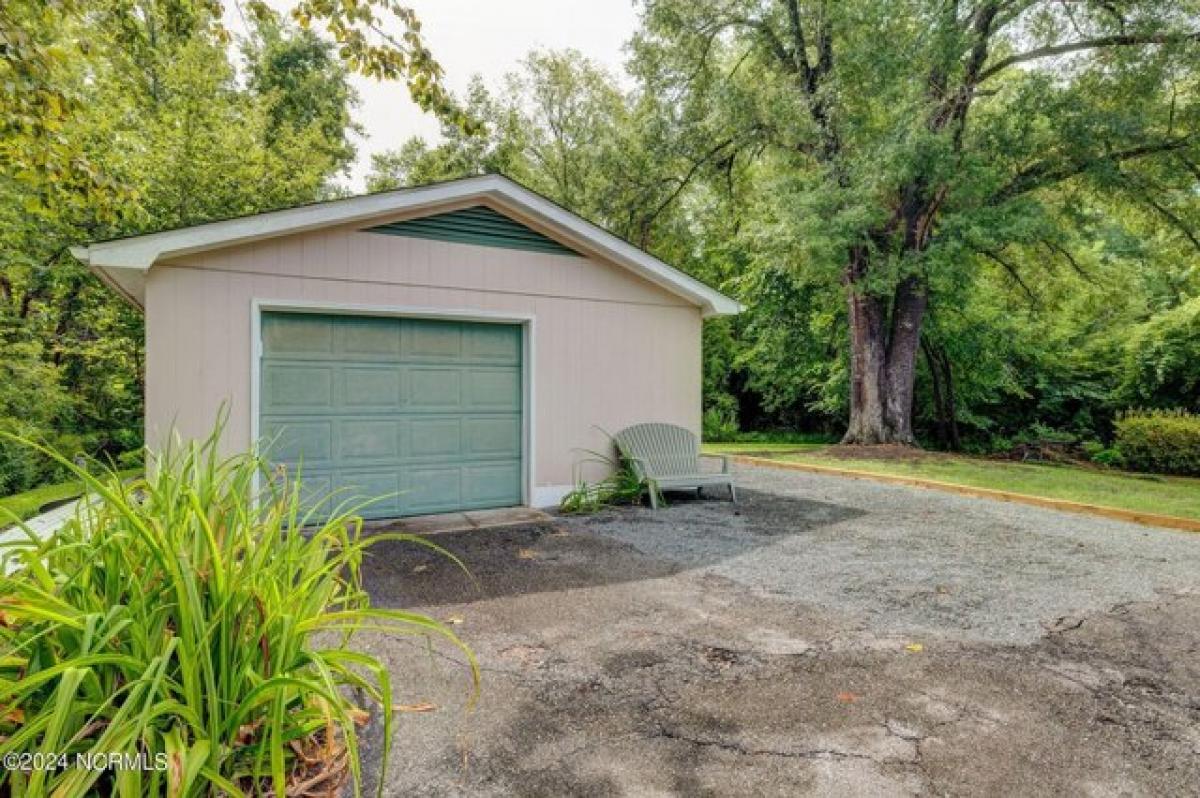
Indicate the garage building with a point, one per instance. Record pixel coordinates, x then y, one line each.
459 345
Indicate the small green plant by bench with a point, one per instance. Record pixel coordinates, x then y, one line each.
621 486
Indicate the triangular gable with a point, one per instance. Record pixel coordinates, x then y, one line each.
477 225
122 263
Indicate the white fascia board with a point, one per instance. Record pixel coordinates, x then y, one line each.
141 252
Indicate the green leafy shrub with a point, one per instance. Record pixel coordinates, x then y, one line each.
719 425
134 458
1098 453
192 618
18 468
1160 441
24 467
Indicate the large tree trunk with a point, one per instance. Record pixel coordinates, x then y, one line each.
908 311
883 357
867 353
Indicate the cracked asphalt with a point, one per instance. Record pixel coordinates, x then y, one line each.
824 637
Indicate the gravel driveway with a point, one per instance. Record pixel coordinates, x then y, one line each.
826 636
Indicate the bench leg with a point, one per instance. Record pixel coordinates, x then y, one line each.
732 493
653 495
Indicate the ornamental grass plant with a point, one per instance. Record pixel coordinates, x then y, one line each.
202 619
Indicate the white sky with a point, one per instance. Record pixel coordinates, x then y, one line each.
480 36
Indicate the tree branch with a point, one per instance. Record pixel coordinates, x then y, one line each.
955 106
1173 218
1188 165
1045 173
1056 248
1116 40
681 183
800 46
1012 272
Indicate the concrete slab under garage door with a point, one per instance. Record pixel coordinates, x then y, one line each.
425 413
461 522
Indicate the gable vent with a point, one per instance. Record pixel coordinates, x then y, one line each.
478 225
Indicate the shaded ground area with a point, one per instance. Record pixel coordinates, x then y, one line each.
827 637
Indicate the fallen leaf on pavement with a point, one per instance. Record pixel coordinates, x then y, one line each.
424 706
847 698
420 569
454 620
916 648
526 554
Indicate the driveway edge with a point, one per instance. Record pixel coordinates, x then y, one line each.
1080 508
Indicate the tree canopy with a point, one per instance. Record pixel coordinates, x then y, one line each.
125 116
995 195
962 223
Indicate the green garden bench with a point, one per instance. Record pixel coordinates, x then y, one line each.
666 457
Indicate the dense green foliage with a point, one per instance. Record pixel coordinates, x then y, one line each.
25 505
124 116
1060 263
1163 441
1062 271
190 617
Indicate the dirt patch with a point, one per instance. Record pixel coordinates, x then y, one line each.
642 689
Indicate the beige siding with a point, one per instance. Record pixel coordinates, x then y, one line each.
610 349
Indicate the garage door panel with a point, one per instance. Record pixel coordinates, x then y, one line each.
296 440
375 406
434 390
491 343
493 389
431 340
369 338
371 387
435 437
297 332
366 440
433 489
499 435
291 387
381 488
487 483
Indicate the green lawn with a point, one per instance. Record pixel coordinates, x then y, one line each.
761 449
26 505
1178 496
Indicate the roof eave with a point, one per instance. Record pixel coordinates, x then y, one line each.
139 254
84 256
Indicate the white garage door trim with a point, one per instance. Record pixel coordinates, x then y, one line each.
527 322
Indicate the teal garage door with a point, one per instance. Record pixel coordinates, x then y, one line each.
426 411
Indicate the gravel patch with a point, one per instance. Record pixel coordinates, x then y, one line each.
907 560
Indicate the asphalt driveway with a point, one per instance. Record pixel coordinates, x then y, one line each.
825 637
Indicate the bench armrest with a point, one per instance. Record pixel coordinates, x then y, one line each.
639 467
724 461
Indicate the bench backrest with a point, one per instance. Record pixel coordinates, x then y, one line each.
666 450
